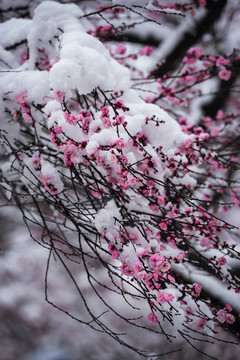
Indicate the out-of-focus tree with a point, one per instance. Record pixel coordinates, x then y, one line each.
120 147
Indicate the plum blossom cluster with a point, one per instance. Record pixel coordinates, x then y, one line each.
121 162
198 67
130 185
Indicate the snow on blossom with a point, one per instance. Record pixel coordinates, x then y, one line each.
59 95
106 217
50 178
85 64
130 157
163 296
21 98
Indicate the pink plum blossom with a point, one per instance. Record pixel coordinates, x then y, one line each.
224 74
59 95
197 289
221 316
147 50
36 161
21 98
222 261
120 144
152 318
106 122
121 49
230 318
27 118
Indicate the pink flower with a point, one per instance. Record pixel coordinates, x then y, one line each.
132 180
15 114
169 297
120 119
36 161
21 98
73 119
212 58
111 247
121 49
143 252
197 289
154 207
207 64
193 55
224 74
118 104
105 110
106 122
222 261
138 266
181 255
115 254
59 95
221 316
164 297
161 297
46 181
205 242
222 61
202 3
161 200
120 144
27 118
24 58
230 318
58 130
215 131
163 226
188 143
165 266
152 318
228 307
147 50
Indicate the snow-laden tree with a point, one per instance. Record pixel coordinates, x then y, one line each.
123 159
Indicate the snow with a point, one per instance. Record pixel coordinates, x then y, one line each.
131 2
34 82
85 64
14 31
105 218
48 170
8 190
211 284
151 7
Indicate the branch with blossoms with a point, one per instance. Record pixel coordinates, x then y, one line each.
114 184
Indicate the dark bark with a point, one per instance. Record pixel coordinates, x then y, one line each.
214 10
224 90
